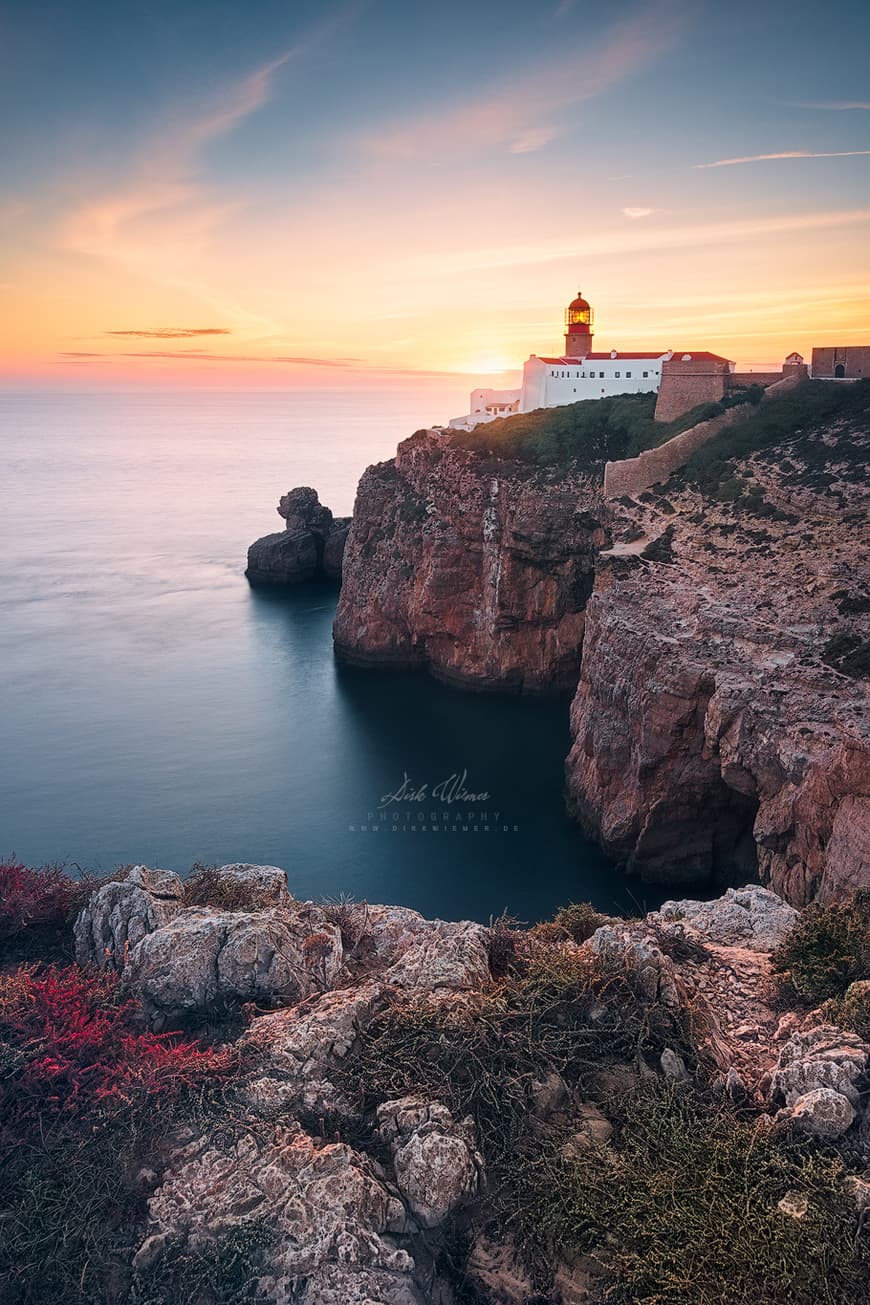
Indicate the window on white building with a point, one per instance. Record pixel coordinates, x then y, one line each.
601 376
628 376
617 375
646 374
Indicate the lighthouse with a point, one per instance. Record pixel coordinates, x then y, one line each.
578 328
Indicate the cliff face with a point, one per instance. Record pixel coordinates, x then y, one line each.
721 713
720 719
476 568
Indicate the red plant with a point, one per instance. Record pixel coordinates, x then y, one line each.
43 896
70 1043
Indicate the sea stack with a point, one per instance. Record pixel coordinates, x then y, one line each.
310 547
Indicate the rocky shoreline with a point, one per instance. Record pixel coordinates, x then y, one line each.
394 1089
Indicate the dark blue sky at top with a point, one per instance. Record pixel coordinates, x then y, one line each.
91 77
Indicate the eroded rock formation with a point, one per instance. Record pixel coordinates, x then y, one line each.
348 1212
311 545
476 569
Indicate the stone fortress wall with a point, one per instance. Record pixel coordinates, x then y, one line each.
632 476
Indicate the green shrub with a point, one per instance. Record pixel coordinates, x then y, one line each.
561 1014
575 922
583 435
792 425
851 1011
828 948
682 1209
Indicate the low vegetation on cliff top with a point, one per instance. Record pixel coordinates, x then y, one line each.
827 951
817 434
582 435
680 1205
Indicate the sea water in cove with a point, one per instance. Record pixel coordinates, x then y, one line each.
157 709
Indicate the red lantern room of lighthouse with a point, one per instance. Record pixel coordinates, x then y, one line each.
578 328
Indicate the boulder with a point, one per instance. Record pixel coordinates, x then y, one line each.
823 1057
282 559
205 958
622 951
120 914
437 1167
261 885
673 1066
750 917
302 1046
446 955
327 1207
822 1113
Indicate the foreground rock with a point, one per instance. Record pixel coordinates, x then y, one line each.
477 570
310 547
752 917
205 958
354 1205
331 1216
120 914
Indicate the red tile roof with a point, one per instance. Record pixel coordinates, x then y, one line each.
603 357
696 356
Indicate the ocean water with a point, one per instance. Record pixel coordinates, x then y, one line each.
156 709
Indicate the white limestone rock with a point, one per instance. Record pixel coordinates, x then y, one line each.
328 1207
436 1164
120 914
822 1113
750 917
302 1046
623 951
205 957
823 1057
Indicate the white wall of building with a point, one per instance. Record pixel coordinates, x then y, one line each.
548 384
488 405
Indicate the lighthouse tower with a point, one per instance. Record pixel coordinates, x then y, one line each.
578 328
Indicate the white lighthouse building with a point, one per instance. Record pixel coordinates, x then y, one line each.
580 373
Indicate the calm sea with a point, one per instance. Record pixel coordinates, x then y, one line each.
156 709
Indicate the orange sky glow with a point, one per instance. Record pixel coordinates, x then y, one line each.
438 243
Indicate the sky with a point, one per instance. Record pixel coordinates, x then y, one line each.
280 194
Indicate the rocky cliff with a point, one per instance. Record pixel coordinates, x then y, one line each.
476 568
721 713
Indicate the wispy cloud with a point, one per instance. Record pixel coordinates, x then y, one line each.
175 332
199 355
523 113
835 106
158 223
641 239
635 213
785 154
533 139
